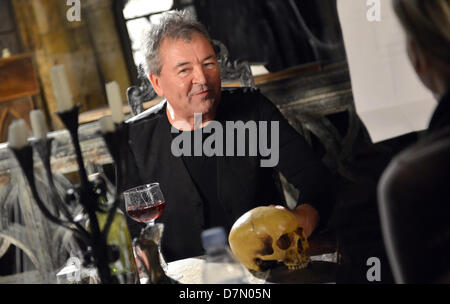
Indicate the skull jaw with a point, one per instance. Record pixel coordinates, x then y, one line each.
294 260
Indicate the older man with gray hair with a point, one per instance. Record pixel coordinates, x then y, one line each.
205 191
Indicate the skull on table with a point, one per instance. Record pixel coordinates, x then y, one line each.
265 236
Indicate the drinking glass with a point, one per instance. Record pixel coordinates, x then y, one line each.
144 203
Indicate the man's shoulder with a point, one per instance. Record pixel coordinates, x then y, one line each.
426 161
441 134
152 113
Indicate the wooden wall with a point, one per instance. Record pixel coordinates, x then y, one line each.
89 49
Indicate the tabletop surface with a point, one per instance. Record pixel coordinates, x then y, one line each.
321 269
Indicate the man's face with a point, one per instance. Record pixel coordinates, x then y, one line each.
190 76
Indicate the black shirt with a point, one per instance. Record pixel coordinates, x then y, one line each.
203 171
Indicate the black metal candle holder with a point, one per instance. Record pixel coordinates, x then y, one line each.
89 200
43 149
102 254
25 158
116 142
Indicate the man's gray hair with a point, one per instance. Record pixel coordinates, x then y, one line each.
173 25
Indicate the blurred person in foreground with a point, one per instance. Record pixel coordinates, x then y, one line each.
414 191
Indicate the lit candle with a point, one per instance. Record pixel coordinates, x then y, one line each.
18 134
38 124
115 101
61 88
106 124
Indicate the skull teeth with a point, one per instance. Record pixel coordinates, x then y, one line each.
298 266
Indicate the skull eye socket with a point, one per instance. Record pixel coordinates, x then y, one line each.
284 242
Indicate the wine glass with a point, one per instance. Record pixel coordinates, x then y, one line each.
144 203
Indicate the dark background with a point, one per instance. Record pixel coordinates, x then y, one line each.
269 31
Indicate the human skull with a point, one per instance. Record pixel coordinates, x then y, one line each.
266 235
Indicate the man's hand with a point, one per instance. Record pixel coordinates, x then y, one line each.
307 216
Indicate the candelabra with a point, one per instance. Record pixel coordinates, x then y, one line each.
98 251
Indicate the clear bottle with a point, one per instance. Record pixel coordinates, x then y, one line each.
220 266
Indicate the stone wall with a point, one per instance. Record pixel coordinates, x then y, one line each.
89 49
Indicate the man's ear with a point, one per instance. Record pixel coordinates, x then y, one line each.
155 80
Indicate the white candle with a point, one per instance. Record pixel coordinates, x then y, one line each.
115 101
61 88
38 124
106 124
18 134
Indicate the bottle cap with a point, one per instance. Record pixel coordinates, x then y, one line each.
214 237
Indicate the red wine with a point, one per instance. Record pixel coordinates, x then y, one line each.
146 214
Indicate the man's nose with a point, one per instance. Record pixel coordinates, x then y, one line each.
199 76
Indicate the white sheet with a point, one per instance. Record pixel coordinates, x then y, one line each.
389 97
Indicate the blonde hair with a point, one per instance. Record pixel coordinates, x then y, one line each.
428 23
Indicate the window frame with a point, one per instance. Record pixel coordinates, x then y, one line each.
125 40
